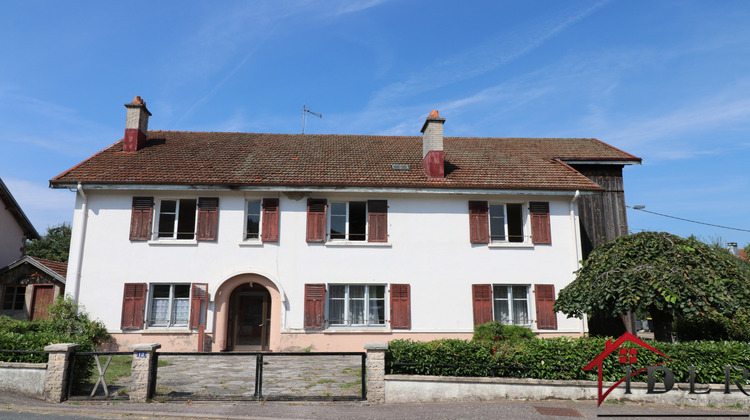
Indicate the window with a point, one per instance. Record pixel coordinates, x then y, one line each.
252 224
169 305
177 219
511 304
506 223
348 221
262 220
14 297
350 305
356 305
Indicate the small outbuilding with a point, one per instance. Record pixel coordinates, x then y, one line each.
30 285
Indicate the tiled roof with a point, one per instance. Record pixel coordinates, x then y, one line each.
60 268
57 270
308 160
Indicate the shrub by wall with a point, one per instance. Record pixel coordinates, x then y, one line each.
561 358
66 324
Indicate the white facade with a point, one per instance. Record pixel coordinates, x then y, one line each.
428 248
13 238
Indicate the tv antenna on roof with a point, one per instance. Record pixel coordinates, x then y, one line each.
305 111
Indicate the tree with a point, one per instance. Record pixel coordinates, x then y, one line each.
54 245
658 273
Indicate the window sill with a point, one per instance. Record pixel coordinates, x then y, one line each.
251 243
350 330
174 242
358 243
511 245
165 330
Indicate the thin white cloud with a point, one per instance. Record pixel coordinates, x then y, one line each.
665 131
347 7
506 47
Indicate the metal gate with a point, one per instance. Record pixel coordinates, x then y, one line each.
231 376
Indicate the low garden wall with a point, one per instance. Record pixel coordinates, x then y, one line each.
419 388
26 378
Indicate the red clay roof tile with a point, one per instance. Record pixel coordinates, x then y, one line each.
305 160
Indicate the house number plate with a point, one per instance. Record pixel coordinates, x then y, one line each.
141 354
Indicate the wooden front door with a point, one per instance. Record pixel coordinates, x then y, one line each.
250 318
43 298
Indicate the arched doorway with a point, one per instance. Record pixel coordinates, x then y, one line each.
249 322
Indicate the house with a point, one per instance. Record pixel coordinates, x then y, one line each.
30 286
27 285
15 228
238 241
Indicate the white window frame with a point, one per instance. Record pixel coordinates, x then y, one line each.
157 234
347 233
525 227
347 322
260 221
170 323
512 304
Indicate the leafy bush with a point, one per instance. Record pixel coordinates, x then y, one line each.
66 324
489 331
714 327
560 358
496 331
517 332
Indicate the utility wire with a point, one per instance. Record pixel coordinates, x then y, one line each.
688 220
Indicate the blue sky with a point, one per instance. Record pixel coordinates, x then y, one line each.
668 81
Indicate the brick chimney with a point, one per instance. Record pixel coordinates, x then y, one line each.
432 146
136 125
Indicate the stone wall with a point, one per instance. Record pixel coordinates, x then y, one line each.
26 378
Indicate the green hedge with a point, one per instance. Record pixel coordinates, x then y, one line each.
66 324
560 358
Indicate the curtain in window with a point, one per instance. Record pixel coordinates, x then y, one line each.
159 311
357 304
520 306
336 304
377 305
180 311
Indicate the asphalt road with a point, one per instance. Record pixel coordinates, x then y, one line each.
16 406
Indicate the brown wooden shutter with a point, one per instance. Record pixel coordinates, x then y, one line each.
270 231
546 318
315 304
540 228
479 222
316 219
400 307
208 219
198 305
140 218
377 221
482 298
133 306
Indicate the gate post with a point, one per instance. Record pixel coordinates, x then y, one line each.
143 372
58 375
376 372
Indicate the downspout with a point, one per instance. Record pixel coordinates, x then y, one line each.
79 241
577 244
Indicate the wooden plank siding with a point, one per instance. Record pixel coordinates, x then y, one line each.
603 216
